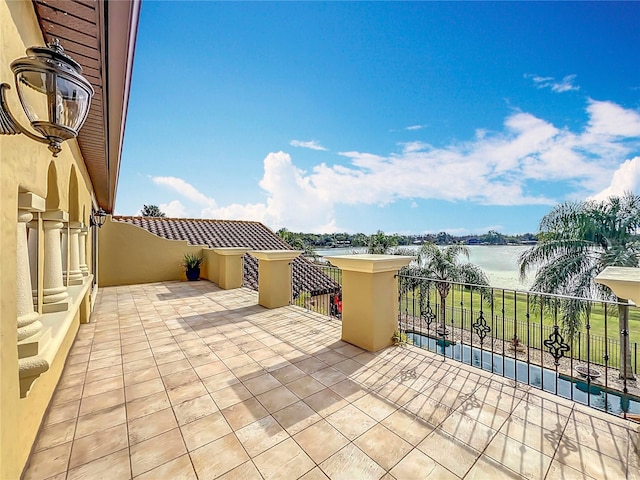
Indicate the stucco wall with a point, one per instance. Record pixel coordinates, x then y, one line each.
26 165
129 255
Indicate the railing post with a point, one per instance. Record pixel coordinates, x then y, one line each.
274 276
370 298
230 267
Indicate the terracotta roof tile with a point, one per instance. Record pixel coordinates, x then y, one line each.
235 233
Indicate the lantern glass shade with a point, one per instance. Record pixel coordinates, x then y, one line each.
55 96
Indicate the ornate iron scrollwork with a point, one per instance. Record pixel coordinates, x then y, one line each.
556 345
427 316
481 328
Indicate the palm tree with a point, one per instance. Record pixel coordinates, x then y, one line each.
379 243
577 240
443 265
152 211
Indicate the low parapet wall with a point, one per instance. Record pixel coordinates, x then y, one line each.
129 255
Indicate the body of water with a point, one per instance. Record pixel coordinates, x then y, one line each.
499 262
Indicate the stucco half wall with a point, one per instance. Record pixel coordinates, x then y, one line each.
129 255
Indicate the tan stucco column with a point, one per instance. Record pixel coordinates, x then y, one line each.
274 276
28 323
230 266
82 250
54 291
70 246
623 281
369 298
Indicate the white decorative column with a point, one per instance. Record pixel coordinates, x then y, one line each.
70 246
28 323
82 250
32 337
54 291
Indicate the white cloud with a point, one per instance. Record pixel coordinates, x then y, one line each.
185 189
312 144
510 167
415 127
625 179
173 209
559 86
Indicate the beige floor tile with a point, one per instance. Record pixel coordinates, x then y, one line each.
211 368
305 386
185 392
228 396
468 430
261 383
288 374
315 474
115 465
325 402
532 435
376 408
246 471
218 457
64 395
349 463
146 405
410 427
180 378
311 364
139 365
139 376
220 381
97 445
243 413
603 441
349 390
143 428
62 412
261 435
329 376
49 462
100 420
277 399
54 435
518 457
560 471
487 468
429 410
320 440
144 389
458 457
284 461
351 422
591 462
418 465
194 409
296 417
156 451
204 430
383 446
174 367
177 469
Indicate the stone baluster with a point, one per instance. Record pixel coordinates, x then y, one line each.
70 246
82 244
54 291
28 323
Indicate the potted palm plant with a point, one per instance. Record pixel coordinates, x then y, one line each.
191 263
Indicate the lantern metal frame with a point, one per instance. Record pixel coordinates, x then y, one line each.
53 64
98 217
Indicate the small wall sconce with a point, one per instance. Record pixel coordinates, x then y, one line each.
98 217
53 93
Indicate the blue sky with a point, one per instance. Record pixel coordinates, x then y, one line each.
406 117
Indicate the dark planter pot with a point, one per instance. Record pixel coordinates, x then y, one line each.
193 274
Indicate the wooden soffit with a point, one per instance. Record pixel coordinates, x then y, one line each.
100 35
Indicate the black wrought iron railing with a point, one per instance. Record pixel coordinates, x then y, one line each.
538 339
326 299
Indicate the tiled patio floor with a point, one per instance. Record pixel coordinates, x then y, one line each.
183 380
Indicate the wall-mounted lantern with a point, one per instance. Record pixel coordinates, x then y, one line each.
98 217
53 93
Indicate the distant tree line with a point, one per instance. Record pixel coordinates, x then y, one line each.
330 240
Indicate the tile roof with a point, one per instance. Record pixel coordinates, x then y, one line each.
235 233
